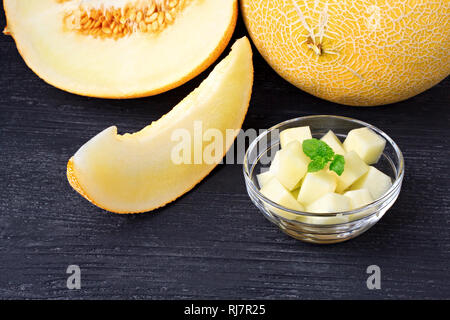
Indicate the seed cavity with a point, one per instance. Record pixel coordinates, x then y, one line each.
145 16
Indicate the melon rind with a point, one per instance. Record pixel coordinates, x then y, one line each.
373 52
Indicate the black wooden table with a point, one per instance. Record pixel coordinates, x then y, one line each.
212 242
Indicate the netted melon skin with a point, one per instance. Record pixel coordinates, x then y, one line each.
359 53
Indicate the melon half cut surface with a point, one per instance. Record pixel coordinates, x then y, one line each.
120 48
134 173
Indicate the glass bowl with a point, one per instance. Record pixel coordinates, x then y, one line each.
312 227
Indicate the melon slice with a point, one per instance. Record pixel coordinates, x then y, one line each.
134 173
120 48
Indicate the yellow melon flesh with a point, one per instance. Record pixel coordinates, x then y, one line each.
135 172
135 65
264 177
359 53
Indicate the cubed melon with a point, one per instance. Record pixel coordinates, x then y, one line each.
375 181
359 198
315 185
334 142
276 192
295 193
323 220
354 168
264 177
294 134
275 164
292 166
330 203
366 143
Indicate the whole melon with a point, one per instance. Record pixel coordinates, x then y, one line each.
360 53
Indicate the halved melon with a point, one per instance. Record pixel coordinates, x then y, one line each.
134 173
120 48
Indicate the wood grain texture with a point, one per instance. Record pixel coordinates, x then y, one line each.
211 243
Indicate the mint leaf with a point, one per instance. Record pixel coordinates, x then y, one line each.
310 147
337 165
325 151
316 165
315 148
320 154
